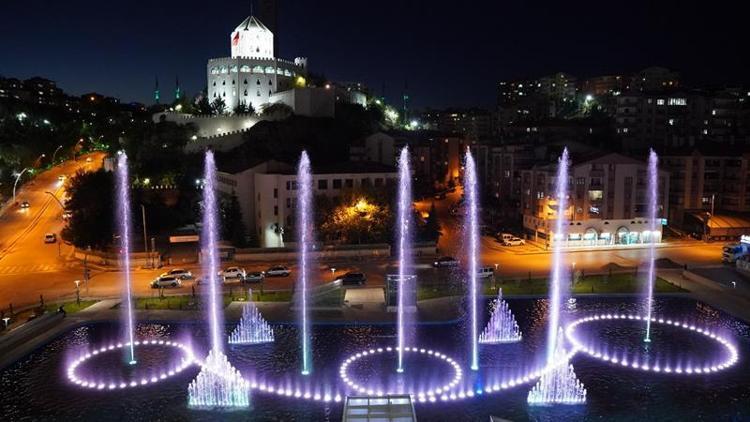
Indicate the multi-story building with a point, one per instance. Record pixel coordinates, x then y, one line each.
267 191
34 90
607 202
471 123
546 97
655 79
604 85
712 178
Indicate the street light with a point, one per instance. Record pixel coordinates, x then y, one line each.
18 176
55 153
78 292
6 320
333 273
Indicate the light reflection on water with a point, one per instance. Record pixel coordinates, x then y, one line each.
35 388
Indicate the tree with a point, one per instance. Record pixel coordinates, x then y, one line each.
232 227
218 106
203 106
279 111
244 108
92 214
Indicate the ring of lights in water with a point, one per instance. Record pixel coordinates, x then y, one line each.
75 368
411 352
726 359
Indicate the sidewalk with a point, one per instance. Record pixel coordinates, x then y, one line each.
730 300
542 250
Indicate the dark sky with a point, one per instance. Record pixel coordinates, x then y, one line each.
451 52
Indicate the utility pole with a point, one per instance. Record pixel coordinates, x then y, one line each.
145 234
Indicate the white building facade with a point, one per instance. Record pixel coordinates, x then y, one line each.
267 193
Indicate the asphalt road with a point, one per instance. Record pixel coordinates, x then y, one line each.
29 267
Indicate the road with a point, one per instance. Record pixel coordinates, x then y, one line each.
28 267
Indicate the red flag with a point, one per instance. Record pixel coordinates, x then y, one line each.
236 39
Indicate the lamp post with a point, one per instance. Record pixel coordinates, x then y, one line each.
78 292
6 320
18 176
145 235
55 154
333 273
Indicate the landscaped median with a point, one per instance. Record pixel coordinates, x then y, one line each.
624 283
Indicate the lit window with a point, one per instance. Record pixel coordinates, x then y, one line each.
660 101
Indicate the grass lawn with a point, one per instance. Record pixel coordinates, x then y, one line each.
71 307
188 302
616 283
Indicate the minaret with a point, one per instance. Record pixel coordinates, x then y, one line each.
156 91
177 91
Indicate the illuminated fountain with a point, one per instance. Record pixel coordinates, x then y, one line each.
304 240
218 385
252 328
403 234
123 220
472 238
559 384
653 197
502 326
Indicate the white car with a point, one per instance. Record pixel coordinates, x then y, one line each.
278 271
166 281
180 273
233 272
514 241
50 238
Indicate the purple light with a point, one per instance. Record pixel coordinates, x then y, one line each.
732 354
123 217
403 234
210 242
653 195
304 238
187 359
470 190
557 283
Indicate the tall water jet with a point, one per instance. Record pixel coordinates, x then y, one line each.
653 197
304 240
218 384
472 238
210 247
557 284
403 235
123 219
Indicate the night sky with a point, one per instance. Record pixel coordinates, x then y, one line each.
450 52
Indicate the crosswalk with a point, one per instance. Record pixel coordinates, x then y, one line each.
31 269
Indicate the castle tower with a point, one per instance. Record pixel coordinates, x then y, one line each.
252 39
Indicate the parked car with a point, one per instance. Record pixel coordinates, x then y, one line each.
349 279
440 195
233 272
66 215
502 237
180 273
445 261
50 238
486 272
278 271
88 159
61 178
254 277
166 281
514 241
25 204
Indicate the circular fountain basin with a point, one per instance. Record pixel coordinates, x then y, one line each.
702 351
427 373
105 368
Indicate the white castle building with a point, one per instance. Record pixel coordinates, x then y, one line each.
252 74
